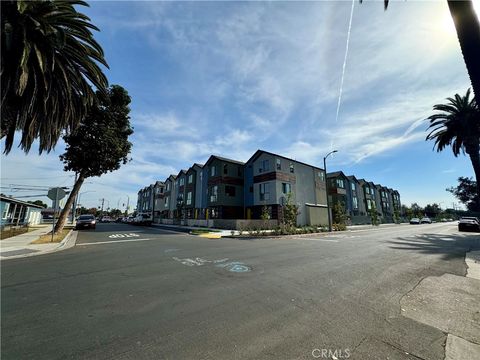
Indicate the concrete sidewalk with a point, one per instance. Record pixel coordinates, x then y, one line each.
450 303
20 245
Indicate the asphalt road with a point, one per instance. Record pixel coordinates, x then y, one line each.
129 292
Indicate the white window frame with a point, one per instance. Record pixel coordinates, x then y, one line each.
5 211
190 178
189 198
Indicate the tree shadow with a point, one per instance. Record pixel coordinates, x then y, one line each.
450 245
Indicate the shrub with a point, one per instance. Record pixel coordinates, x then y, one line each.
339 227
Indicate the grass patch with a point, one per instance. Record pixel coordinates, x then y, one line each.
203 231
47 238
5 234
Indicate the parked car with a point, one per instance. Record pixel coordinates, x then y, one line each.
469 224
86 222
106 219
426 220
142 219
414 221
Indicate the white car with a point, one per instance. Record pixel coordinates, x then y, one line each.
414 221
426 220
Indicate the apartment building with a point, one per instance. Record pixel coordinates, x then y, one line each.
193 192
225 182
229 189
271 178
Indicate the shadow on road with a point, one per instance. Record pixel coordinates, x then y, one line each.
450 245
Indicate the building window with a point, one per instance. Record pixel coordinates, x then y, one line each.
214 193
264 192
189 198
292 168
229 190
166 201
265 165
355 202
168 186
5 210
286 188
225 169
190 178
340 184
182 181
279 164
369 204
321 175
352 185
212 171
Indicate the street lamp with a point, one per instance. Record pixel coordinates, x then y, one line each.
326 187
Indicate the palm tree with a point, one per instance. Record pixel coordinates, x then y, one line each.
48 63
467 26
458 126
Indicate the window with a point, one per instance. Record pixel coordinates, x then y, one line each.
292 168
225 169
190 178
279 164
264 193
352 185
355 202
5 210
212 171
229 190
265 165
182 181
286 188
321 175
369 204
189 198
166 201
213 194
168 186
340 183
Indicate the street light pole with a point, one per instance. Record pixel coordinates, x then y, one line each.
326 187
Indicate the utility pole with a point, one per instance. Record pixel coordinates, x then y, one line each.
128 203
103 202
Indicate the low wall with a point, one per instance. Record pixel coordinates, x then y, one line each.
241 224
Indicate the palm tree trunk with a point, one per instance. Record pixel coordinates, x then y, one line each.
468 33
62 219
475 159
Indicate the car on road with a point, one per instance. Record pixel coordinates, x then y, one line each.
106 219
469 224
143 219
426 220
86 222
414 221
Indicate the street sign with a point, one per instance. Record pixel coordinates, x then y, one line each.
56 194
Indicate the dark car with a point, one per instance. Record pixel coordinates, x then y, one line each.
86 222
469 224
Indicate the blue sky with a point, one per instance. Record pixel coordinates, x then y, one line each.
229 78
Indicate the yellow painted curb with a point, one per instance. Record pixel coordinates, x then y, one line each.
211 235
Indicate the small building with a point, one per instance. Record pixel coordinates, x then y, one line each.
17 212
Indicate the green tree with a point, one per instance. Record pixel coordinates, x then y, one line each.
290 211
374 215
49 58
39 203
467 26
100 144
466 192
458 125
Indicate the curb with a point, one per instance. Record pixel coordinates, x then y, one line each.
68 242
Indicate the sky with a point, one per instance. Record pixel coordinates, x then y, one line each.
228 78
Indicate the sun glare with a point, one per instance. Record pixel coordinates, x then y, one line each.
449 26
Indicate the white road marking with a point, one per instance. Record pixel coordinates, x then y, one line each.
115 236
112 242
